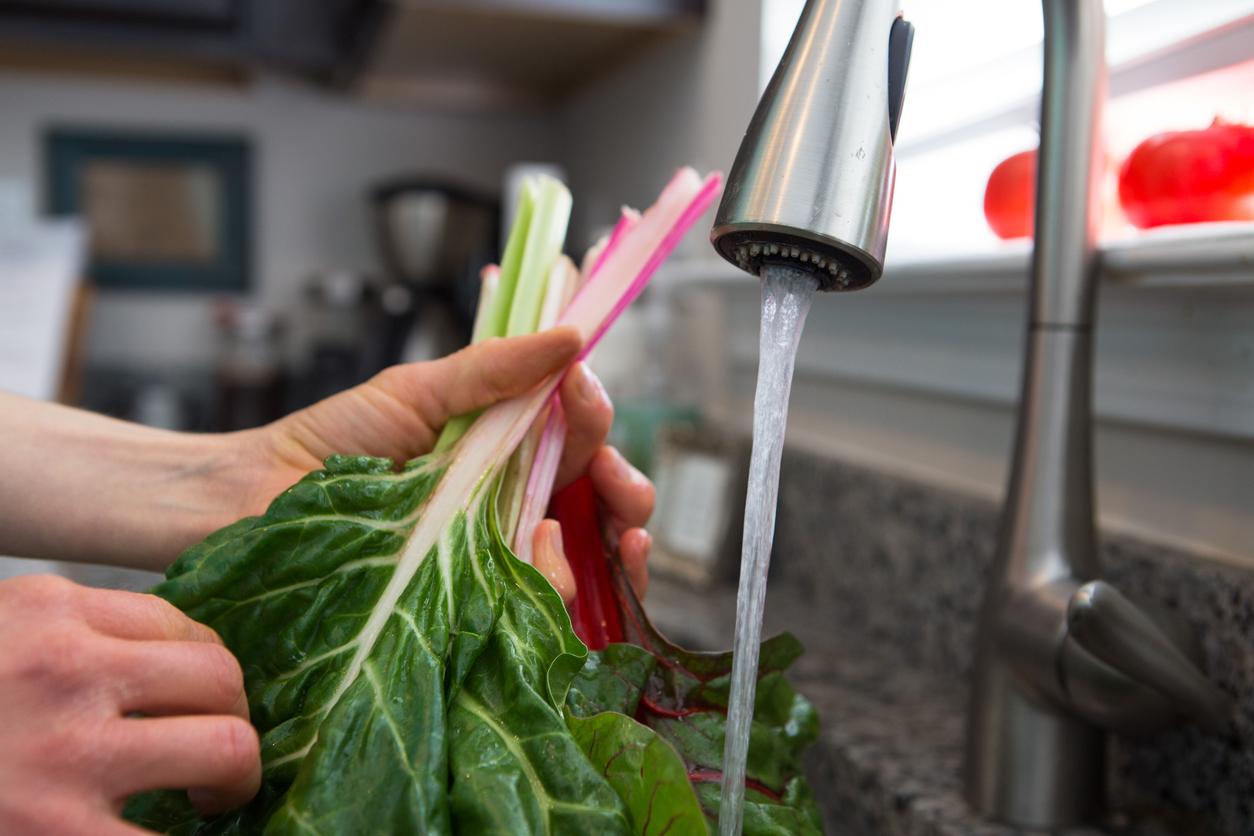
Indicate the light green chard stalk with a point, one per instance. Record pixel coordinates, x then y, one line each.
511 306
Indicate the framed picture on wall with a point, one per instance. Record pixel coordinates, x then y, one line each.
163 212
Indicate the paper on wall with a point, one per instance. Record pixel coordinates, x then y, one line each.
40 266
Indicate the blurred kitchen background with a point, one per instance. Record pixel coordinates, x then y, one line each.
215 211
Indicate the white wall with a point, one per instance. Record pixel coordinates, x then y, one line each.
684 102
314 157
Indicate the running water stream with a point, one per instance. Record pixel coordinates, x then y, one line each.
786 295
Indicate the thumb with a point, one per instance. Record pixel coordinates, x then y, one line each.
491 371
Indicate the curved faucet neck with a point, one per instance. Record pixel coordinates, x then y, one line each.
1047 527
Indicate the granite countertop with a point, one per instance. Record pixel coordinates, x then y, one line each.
889 760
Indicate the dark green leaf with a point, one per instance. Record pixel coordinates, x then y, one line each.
645 771
682 695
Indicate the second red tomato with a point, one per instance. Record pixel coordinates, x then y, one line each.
1010 196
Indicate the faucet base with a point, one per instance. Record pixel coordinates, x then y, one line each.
1027 764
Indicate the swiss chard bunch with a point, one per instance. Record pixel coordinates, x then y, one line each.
408 673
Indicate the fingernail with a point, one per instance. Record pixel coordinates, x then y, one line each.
555 541
550 559
589 386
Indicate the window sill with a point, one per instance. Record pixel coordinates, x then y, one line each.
1197 256
1175 349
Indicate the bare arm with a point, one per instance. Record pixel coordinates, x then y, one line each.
82 487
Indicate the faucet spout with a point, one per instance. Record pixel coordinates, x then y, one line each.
812 184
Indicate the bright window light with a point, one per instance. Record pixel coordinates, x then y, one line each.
973 92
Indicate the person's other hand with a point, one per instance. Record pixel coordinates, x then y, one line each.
105 694
626 494
398 414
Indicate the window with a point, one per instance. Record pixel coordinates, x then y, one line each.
974 87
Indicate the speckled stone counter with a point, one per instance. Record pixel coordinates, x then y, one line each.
882 580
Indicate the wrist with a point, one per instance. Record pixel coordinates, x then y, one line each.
221 478
193 485
244 483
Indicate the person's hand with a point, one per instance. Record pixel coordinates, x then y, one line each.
627 496
399 413
106 694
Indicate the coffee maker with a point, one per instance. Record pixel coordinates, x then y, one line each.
434 237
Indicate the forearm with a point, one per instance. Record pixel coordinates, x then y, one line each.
82 487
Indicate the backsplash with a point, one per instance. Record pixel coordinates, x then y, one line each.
901 566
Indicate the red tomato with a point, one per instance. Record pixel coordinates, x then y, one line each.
1009 199
1190 177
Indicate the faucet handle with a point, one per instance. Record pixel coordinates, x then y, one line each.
1109 626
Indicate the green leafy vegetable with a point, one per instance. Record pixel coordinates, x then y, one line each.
644 771
406 672
437 712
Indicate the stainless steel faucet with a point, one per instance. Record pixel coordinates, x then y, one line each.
1061 656
813 180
